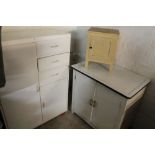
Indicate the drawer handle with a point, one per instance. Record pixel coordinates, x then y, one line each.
54 46
55 61
55 74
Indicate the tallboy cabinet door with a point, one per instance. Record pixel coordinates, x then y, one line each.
83 92
108 108
20 65
22 108
54 98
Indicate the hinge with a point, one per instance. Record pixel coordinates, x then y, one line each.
43 104
75 76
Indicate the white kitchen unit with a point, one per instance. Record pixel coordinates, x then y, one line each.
103 98
36 64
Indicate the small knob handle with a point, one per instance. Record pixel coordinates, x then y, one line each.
91 102
94 103
54 46
90 47
55 61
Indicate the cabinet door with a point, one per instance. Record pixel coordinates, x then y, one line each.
20 65
83 92
108 109
54 98
99 47
22 108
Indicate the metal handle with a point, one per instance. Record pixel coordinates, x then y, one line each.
54 46
92 103
55 61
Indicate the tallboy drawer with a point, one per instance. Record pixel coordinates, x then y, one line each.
53 45
51 75
53 61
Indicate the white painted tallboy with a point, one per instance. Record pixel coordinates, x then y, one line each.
36 64
103 98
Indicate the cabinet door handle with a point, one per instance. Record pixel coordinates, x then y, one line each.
91 102
55 61
94 103
54 46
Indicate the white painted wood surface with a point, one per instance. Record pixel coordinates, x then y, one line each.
135 98
20 65
108 107
22 108
53 65
47 46
51 62
54 98
54 74
120 79
36 34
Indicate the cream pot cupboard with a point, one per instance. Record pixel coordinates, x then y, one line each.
37 73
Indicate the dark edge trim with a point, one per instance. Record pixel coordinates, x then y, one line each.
108 86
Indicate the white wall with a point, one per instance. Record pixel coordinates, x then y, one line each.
136 51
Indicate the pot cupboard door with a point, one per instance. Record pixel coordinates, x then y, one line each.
99 48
